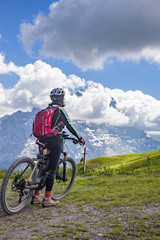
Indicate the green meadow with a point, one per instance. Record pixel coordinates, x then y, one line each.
123 180
120 180
117 197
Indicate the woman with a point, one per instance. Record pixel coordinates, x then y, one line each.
54 143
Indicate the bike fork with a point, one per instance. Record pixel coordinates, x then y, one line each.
64 167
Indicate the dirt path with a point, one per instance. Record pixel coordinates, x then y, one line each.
81 222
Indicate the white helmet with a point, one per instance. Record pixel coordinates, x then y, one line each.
57 94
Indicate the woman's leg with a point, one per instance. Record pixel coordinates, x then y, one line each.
55 148
53 163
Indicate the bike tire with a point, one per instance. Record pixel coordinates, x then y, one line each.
9 197
60 188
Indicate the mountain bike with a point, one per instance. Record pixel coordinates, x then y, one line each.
27 174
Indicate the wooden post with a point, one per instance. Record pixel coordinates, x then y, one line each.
84 159
149 164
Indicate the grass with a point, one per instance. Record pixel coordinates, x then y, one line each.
117 182
68 229
123 180
103 191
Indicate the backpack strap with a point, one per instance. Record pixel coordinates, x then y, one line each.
57 124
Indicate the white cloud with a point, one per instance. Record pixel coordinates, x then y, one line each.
154 134
6 68
143 110
93 31
93 103
34 85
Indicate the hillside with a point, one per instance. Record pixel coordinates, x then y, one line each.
124 164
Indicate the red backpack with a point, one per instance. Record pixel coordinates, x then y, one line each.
42 123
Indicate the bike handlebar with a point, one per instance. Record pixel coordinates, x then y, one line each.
67 137
64 136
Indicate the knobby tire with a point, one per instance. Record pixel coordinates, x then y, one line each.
60 188
8 196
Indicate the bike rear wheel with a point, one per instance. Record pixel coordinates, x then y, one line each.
63 185
14 193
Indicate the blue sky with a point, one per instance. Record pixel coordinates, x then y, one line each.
12 14
126 75
111 48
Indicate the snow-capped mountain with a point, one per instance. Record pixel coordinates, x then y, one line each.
101 139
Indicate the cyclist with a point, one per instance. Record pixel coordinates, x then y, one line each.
54 143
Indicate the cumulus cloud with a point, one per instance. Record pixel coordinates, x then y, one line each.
7 68
143 110
84 100
94 31
34 85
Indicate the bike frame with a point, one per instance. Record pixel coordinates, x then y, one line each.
34 186
38 160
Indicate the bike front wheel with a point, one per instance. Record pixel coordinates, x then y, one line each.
64 178
14 192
